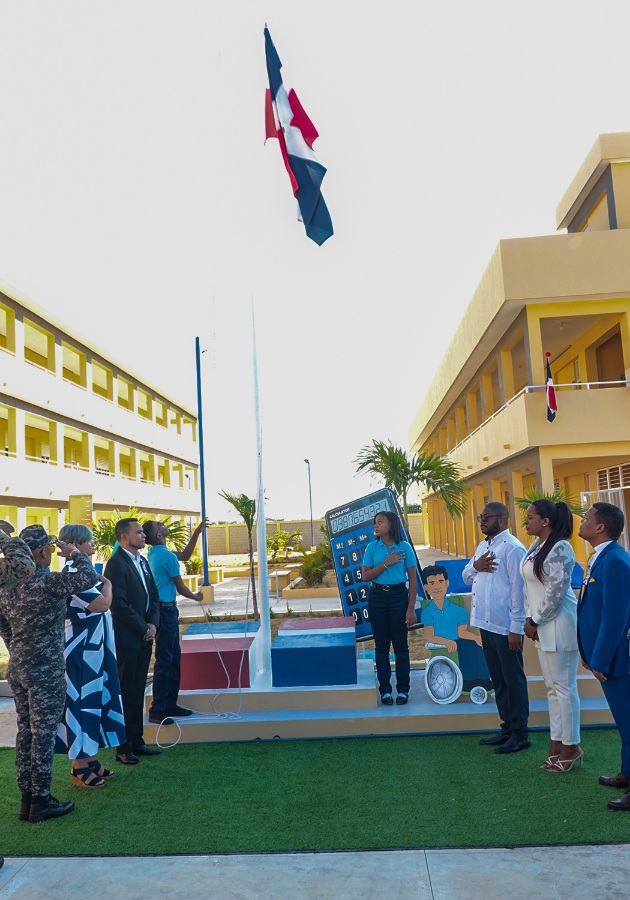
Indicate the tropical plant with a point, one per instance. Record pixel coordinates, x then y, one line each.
279 541
400 470
194 565
561 495
104 530
246 508
313 568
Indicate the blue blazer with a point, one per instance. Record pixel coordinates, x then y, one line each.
604 614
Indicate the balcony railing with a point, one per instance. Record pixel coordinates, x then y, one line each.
532 388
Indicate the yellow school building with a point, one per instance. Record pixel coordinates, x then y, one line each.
567 294
75 423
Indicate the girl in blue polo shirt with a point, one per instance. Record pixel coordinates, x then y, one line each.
390 564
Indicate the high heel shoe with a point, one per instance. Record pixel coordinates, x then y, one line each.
86 777
565 765
548 763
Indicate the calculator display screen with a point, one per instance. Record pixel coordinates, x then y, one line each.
351 529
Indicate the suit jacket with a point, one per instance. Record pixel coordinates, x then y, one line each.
604 613
129 599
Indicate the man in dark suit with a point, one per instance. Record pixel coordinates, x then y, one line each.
603 623
136 613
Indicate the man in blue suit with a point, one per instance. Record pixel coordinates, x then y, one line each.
603 623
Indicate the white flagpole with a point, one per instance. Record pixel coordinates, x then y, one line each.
264 635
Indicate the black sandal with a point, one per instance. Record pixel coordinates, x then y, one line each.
86 778
99 769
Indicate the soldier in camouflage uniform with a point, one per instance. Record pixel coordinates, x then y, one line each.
17 566
32 620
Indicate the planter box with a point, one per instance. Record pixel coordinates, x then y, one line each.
5 690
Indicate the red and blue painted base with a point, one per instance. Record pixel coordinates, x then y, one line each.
304 658
208 664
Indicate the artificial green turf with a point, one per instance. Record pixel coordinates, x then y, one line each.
365 793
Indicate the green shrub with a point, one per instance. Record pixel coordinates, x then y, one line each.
313 568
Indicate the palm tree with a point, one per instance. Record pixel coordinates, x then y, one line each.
400 471
246 508
559 496
103 531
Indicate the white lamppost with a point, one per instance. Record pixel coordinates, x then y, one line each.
310 501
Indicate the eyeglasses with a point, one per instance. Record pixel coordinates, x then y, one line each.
483 519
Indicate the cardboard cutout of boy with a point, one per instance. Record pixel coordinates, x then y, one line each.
444 621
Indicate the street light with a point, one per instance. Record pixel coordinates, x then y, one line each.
310 500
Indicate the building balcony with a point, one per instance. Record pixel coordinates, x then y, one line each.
588 414
56 397
48 482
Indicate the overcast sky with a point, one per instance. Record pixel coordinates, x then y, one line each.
139 202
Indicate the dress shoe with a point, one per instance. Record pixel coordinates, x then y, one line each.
25 808
143 750
48 807
387 700
401 699
513 745
495 739
159 719
127 759
616 781
621 802
178 711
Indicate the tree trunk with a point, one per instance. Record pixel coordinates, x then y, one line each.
252 577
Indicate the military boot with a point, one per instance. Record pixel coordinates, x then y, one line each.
25 807
48 807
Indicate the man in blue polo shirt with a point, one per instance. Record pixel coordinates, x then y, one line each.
164 565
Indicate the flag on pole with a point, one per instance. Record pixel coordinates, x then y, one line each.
552 407
286 120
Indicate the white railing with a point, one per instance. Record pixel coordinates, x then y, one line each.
530 389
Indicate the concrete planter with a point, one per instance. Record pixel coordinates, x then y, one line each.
5 690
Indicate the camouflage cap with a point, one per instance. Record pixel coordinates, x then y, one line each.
35 536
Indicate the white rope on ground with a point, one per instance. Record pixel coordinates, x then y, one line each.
228 715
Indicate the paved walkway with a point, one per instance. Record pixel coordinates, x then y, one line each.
570 873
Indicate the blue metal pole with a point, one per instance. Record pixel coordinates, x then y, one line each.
202 476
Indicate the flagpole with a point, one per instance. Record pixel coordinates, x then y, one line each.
264 636
202 477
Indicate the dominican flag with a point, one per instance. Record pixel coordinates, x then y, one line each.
286 120
552 408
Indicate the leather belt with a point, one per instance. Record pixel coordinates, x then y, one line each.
168 603
388 587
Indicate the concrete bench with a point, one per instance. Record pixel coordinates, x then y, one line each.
280 579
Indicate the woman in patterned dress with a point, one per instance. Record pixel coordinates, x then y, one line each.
93 715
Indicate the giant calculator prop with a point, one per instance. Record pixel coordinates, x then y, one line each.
351 528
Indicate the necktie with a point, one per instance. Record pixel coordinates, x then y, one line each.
587 574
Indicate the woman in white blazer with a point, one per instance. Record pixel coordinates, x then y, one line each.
551 609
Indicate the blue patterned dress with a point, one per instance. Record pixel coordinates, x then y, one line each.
93 715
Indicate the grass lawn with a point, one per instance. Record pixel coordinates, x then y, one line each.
364 793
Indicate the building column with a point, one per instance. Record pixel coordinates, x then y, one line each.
515 482
487 397
495 490
472 411
545 467
460 424
58 362
18 347
506 376
113 449
87 450
534 350
57 450
17 432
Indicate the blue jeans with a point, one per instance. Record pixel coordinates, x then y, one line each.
387 611
166 672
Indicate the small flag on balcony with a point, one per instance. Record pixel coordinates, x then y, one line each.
286 120
552 407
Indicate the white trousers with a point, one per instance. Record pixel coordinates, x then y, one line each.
559 670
